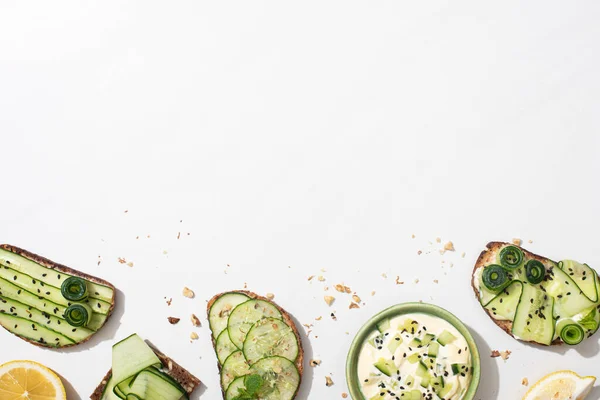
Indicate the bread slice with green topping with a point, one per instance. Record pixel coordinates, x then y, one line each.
257 344
533 298
33 305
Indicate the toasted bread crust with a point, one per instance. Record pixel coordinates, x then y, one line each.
187 381
488 256
59 267
299 363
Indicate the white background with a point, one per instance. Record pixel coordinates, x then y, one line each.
287 138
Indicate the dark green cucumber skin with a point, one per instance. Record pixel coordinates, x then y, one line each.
52 268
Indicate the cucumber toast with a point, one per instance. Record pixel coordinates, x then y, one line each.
258 347
535 299
140 372
48 304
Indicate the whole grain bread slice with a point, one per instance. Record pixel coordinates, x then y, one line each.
187 381
64 269
299 362
489 256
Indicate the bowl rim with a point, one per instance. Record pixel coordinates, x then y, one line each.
401 309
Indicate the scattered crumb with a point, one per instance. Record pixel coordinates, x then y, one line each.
195 320
310 277
463 254
187 292
525 382
435 281
419 252
373 293
517 241
449 246
270 296
328 381
353 305
323 270
398 281
314 363
194 336
355 298
502 354
333 317
99 260
344 395
329 300
530 241
321 278
326 288
126 211
130 264
438 240
417 280
178 235
245 285
122 260
165 252
169 301
342 288
384 275
412 236
318 318
173 320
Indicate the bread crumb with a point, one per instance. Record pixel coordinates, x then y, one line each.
344 395
321 278
373 293
169 301
435 281
195 320
130 264
318 318
449 246
355 298
270 296
194 336
353 305
189 293
310 277
530 241
517 241
333 317
384 275
417 280
329 300
419 252
314 363
502 354
412 236
122 260
525 382
463 254
398 281
328 381
173 320
439 240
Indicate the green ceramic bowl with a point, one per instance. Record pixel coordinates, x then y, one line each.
394 311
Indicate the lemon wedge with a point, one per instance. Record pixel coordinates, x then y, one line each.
28 380
561 385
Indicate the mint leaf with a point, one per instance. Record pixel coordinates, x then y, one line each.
589 321
253 383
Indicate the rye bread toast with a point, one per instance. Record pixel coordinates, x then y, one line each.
187 381
299 362
64 269
489 256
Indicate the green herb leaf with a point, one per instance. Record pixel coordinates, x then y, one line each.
589 321
253 383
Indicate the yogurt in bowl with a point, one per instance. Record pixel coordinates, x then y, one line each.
413 351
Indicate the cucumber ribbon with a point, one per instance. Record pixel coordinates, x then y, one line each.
78 315
74 289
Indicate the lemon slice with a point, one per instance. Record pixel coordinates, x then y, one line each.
561 385
28 380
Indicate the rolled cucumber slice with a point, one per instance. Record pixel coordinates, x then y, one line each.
245 315
270 337
224 347
534 321
220 310
281 378
235 366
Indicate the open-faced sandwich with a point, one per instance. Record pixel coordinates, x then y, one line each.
140 372
535 299
258 347
48 304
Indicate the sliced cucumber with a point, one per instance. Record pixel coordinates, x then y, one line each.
383 325
445 390
270 337
130 356
234 388
446 338
421 370
504 305
245 315
220 310
387 367
162 387
583 276
433 349
569 299
33 331
428 338
459 369
280 376
224 347
234 366
534 320
394 343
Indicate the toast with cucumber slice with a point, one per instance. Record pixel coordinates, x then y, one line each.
258 347
48 304
535 299
141 372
